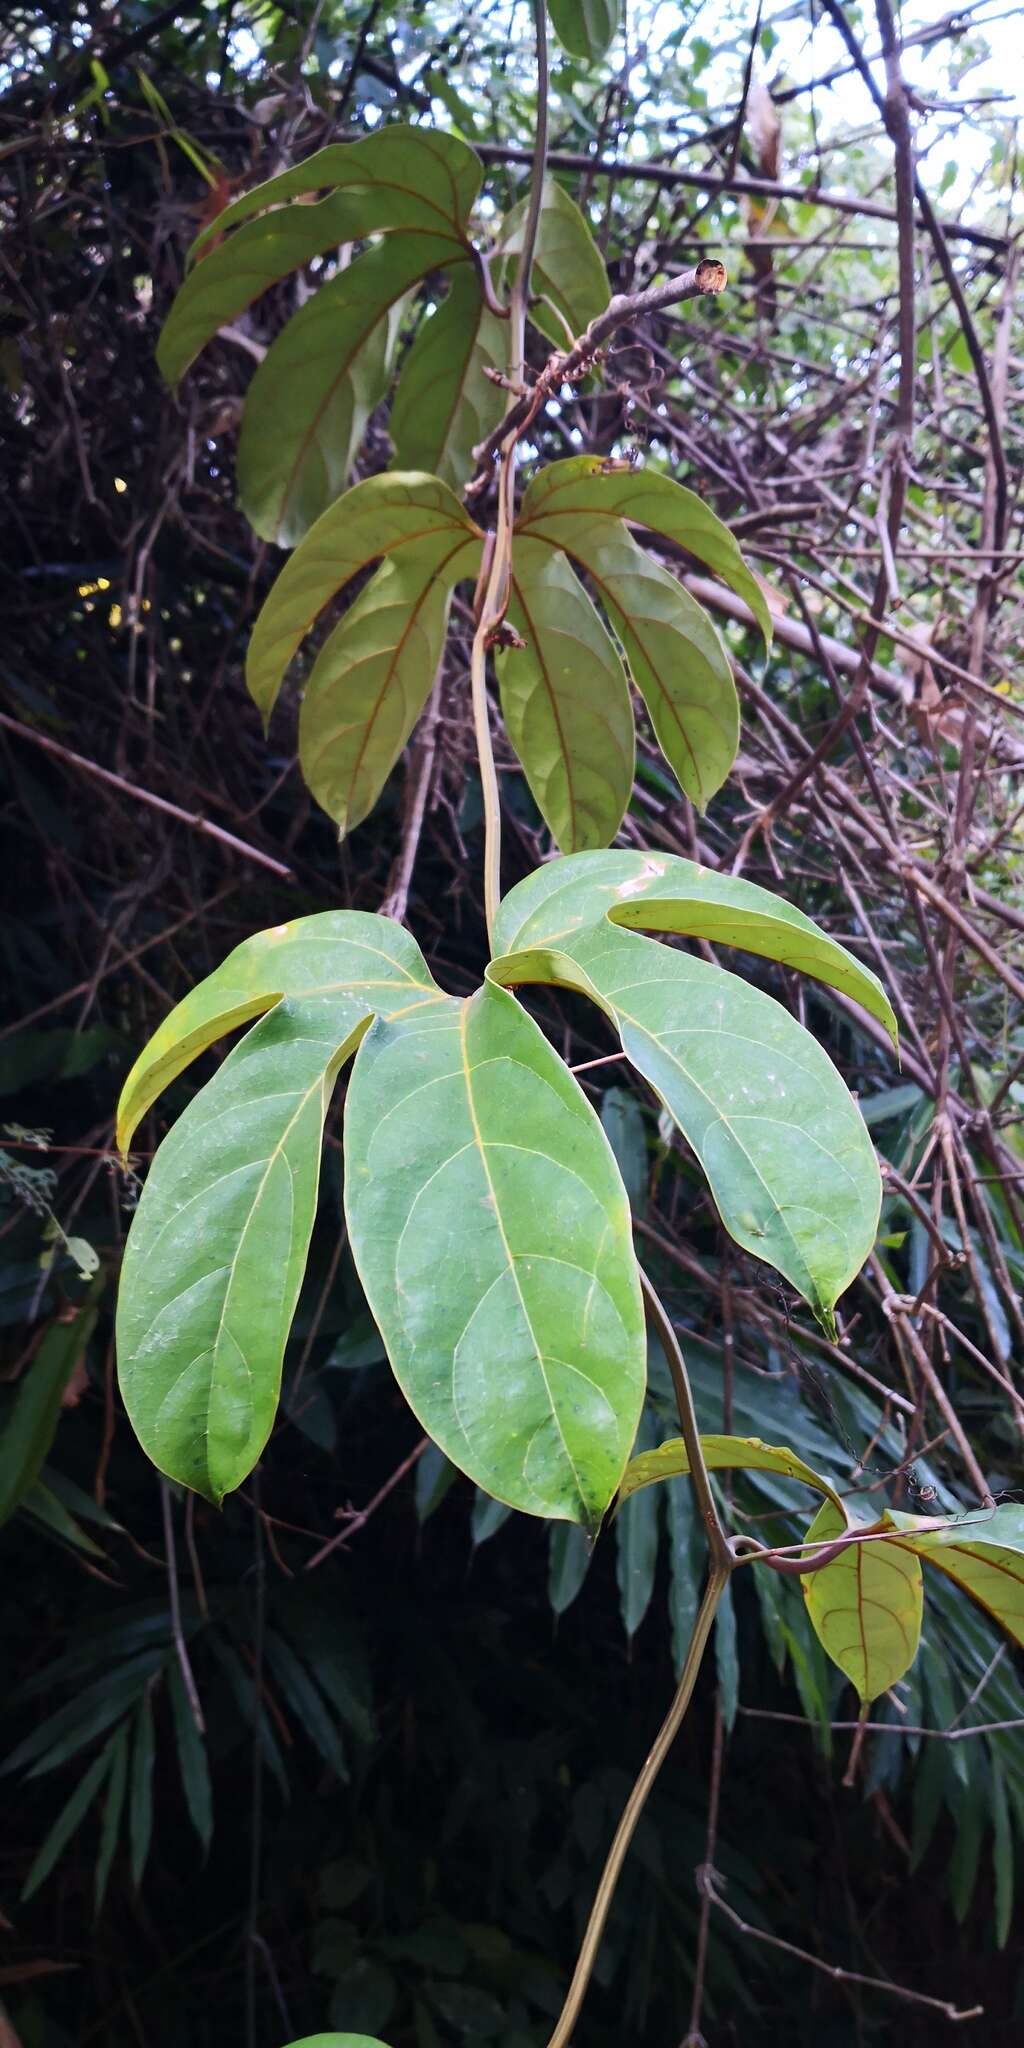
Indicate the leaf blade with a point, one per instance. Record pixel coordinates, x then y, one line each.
662 892
370 683
721 1454
565 703
560 493
331 950
760 1104
865 1606
308 405
470 1298
371 521
445 403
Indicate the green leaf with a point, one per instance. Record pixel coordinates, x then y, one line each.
113 1807
338 2041
775 1130
1002 1857
569 1553
66 1822
492 1236
140 1809
623 1120
445 404
983 1553
722 1454
636 1532
31 1421
565 702
865 1607
374 519
372 679
727 1663
217 1248
661 892
327 954
306 1703
192 1760
568 503
307 407
585 27
488 1517
687 1565
568 280
67 1732
399 177
675 656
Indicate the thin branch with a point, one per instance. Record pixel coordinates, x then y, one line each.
193 819
838 1975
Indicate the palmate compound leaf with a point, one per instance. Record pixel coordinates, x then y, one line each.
492 1235
406 513
585 28
866 1605
218 1244
723 1453
397 178
782 1143
486 1213
568 503
674 652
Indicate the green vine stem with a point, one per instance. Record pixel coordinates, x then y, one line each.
716 1585
722 1563
496 574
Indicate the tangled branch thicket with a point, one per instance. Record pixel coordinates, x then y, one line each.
853 404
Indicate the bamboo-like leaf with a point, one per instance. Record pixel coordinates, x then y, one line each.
445 403
569 1553
675 656
31 1422
623 1120
307 407
569 283
140 1803
192 1759
566 703
67 1822
585 27
983 1553
397 178
373 520
492 1235
113 1807
661 892
565 501
636 1534
218 1245
370 683
866 1606
782 1142
722 1454
323 955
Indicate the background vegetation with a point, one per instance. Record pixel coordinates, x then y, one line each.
415 1718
